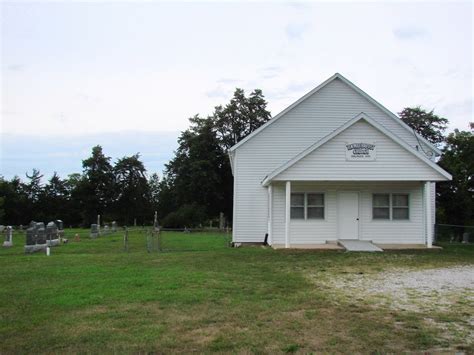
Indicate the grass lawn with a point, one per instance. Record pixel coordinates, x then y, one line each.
199 295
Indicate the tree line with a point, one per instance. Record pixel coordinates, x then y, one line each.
197 184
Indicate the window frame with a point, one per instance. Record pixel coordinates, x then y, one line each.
298 206
305 205
380 207
407 207
391 207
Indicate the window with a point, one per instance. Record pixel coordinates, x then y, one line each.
315 206
381 206
390 206
297 206
307 206
400 206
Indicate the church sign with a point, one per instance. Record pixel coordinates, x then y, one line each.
361 151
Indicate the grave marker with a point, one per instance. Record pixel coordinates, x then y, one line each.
8 237
94 231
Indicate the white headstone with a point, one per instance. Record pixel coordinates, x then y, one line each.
8 237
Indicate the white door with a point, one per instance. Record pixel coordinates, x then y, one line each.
348 215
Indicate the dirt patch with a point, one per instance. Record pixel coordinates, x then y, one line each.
444 295
413 290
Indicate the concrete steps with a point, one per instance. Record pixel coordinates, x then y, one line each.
358 245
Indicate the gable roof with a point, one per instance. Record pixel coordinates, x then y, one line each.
319 87
371 121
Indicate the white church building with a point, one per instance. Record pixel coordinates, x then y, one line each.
335 165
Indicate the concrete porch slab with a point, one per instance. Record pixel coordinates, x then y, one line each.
406 247
326 246
358 245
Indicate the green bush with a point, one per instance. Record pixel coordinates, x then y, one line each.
186 216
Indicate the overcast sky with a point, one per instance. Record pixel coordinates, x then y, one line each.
78 74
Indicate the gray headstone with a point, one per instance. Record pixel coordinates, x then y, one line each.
40 233
8 237
2 228
60 224
31 236
114 226
51 231
465 237
94 230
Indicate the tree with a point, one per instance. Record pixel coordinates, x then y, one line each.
133 191
2 208
194 172
240 117
199 176
154 186
97 190
55 199
427 124
456 197
17 207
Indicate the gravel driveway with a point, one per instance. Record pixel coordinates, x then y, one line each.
412 289
431 291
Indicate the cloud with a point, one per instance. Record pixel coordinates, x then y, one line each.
270 72
407 33
64 155
218 92
459 108
15 67
89 98
293 90
296 31
228 81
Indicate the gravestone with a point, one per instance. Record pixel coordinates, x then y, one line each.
59 224
114 226
2 228
8 237
94 231
35 237
31 235
106 229
465 237
52 237
40 233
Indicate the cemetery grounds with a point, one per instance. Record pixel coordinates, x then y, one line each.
199 295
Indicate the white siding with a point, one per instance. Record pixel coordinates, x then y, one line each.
433 207
319 231
328 162
322 113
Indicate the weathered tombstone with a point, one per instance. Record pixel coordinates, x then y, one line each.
35 237
59 224
114 226
8 237
2 228
52 237
40 233
31 236
155 221
221 221
465 237
94 231
106 229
